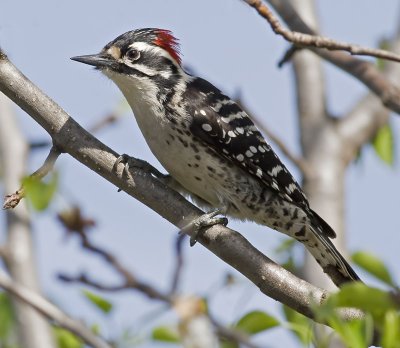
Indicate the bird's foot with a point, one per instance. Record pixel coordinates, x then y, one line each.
205 220
132 162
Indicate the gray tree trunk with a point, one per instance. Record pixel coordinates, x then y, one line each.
32 329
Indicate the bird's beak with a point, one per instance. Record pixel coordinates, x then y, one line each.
97 60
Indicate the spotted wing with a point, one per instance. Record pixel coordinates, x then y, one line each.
221 123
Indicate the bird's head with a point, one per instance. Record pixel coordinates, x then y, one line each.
143 54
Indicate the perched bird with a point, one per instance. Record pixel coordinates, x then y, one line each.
209 145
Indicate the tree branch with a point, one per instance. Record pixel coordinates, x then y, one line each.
228 245
363 121
51 312
317 41
360 124
75 223
188 311
362 70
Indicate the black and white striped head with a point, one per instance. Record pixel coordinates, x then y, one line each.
143 54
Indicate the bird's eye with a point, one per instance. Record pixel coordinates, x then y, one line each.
133 54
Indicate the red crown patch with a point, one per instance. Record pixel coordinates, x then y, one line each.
167 41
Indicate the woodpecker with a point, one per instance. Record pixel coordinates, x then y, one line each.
209 145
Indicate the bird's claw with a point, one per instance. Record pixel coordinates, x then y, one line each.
132 162
126 160
205 220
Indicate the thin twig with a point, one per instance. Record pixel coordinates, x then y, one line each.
85 279
12 200
290 52
48 164
130 281
308 40
103 122
179 263
367 73
233 335
39 144
51 312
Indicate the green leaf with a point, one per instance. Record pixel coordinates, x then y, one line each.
66 339
39 192
383 144
255 322
95 328
391 330
165 334
300 325
353 332
7 319
373 265
381 63
358 295
229 344
98 301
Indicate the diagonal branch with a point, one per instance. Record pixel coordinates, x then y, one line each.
360 124
363 121
228 245
75 223
51 312
362 70
312 40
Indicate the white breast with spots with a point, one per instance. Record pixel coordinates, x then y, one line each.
172 147
198 169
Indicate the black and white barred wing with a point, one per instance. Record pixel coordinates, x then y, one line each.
222 124
227 129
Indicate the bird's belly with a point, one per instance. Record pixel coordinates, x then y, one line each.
200 170
188 163
205 173
185 158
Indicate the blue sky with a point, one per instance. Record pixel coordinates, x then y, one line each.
227 43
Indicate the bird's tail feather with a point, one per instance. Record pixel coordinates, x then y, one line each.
330 259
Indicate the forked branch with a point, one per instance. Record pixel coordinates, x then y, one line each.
308 40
